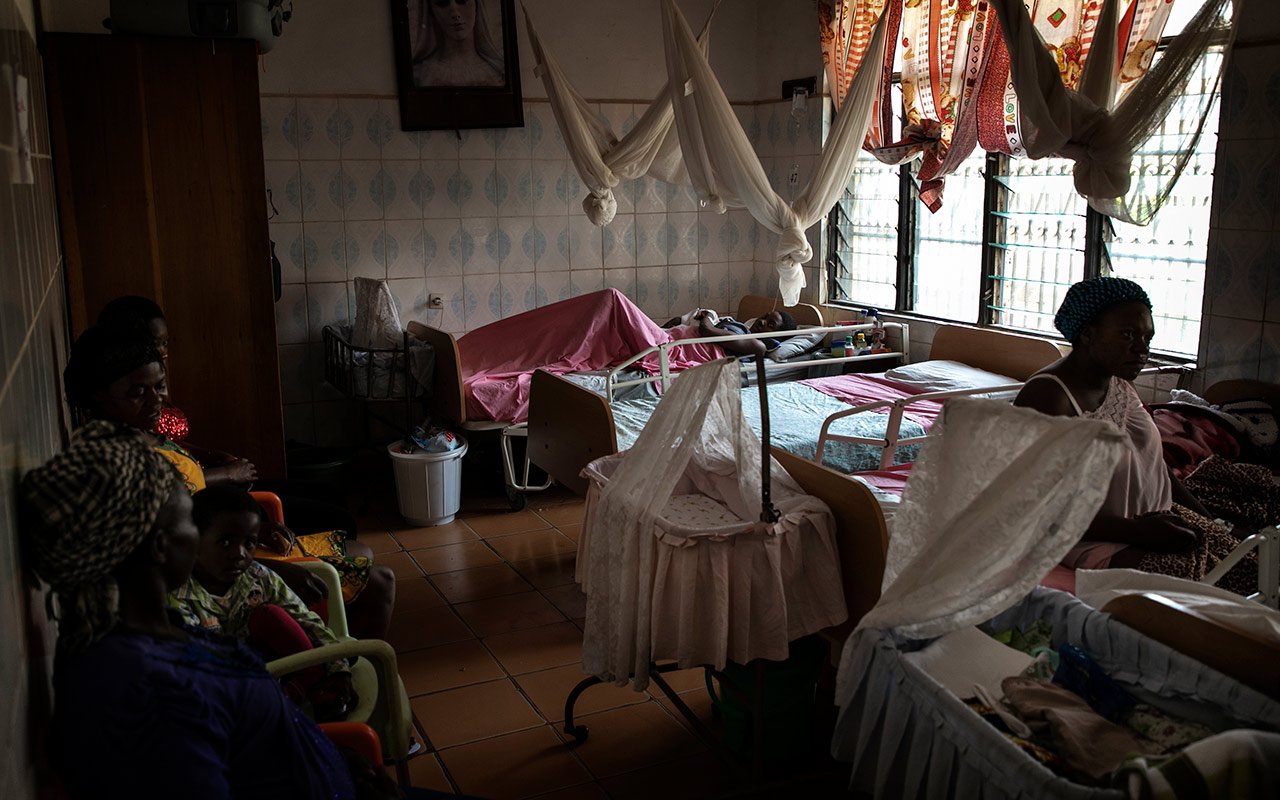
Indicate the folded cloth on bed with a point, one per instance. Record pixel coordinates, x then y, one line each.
859 389
1238 763
583 333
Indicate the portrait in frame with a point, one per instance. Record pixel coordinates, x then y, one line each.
457 64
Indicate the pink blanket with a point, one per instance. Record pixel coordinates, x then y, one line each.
859 389
593 331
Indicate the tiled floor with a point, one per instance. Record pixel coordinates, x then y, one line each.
488 628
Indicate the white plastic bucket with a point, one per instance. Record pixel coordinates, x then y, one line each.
428 485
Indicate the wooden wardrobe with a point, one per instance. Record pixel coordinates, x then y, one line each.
157 150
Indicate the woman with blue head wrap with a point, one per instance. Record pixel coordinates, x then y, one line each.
1109 325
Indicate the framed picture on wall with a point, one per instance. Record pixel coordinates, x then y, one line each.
457 64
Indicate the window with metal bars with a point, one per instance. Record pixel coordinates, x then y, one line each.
1013 235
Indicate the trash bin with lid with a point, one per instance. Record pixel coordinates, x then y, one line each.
428 485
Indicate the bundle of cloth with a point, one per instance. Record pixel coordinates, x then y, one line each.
589 332
1192 430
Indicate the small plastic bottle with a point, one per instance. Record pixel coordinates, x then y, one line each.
860 345
837 348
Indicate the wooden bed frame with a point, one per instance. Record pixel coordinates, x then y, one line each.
570 426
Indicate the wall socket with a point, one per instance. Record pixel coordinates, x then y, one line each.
435 301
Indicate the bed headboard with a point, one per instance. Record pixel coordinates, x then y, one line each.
862 538
1014 354
569 427
753 305
447 397
1230 391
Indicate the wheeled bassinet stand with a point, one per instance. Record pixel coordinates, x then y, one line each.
752 697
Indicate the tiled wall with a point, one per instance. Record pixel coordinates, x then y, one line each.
1241 332
33 335
491 220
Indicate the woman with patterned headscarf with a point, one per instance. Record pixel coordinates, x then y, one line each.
1148 520
145 707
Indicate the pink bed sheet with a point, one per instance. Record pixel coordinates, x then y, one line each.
590 332
891 479
858 389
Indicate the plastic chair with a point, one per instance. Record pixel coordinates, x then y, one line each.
383 702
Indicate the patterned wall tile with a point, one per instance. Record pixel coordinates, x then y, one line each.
402 247
546 201
713 287
291 250
362 238
651 237
1232 349
570 189
512 144
650 195
651 292
285 191
411 298
314 141
322 190
436 236
439 145
682 288
523 251
370 129
680 238
483 198
475 144
712 241
486 307
1236 273
516 182
740 277
451 317
485 254
326 251
326 305
586 242
362 192
586 281
545 140
558 244
747 118
681 198
553 287
618 244
279 128
291 314
1269 357
321 390
1245 184
521 290
405 189
432 191
400 144
624 280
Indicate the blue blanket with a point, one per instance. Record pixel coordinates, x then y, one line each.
796 413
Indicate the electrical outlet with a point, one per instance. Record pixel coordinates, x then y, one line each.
435 301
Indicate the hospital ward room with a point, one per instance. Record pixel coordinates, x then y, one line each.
640 399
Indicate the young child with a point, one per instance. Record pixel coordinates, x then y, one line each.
230 593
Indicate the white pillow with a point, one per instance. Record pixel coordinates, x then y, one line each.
946 376
796 343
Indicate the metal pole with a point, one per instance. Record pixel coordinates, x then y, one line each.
767 512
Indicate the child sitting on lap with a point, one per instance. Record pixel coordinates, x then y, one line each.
230 593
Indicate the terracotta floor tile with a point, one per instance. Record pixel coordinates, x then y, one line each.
694 778
379 542
555 496
475 712
683 680
583 791
453 557
414 595
490 525
425 773
571 600
699 702
426 628
630 738
447 666
537 648
574 532
549 689
533 544
547 571
479 583
400 563
514 766
565 514
418 538
510 613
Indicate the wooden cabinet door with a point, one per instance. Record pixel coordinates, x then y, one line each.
158 154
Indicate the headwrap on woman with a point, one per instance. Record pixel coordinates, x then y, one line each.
1089 298
87 509
102 356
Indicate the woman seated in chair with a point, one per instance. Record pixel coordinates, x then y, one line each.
120 377
1148 520
144 706
309 505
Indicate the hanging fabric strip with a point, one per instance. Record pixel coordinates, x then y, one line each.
599 156
724 167
1068 106
844 28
